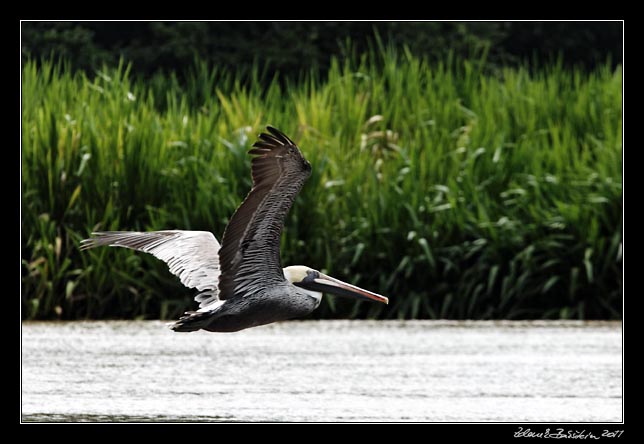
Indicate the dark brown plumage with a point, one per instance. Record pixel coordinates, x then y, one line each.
252 238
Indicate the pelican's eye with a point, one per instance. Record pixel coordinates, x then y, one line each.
311 275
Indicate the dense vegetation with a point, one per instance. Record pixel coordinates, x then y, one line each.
290 47
457 193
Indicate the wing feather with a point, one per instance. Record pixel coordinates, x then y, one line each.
190 255
249 255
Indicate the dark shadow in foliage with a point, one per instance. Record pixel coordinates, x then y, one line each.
292 47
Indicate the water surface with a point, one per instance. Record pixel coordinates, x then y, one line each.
429 371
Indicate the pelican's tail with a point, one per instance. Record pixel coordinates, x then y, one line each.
192 321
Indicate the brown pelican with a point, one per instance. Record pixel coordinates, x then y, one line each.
242 284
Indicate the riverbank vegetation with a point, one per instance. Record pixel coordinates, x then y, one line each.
457 191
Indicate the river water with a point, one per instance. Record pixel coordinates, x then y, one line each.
326 371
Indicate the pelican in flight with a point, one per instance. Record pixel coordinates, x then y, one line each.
242 283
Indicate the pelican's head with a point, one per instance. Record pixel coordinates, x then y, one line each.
315 283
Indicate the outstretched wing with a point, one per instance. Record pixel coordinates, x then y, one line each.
250 251
191 255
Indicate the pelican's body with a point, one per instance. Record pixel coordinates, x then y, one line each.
241 282
272 304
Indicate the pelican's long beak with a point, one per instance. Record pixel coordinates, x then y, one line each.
327 284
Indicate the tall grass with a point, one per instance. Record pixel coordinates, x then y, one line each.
457 193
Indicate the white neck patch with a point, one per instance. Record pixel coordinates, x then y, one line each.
314 294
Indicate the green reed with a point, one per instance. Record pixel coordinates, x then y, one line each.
456 192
